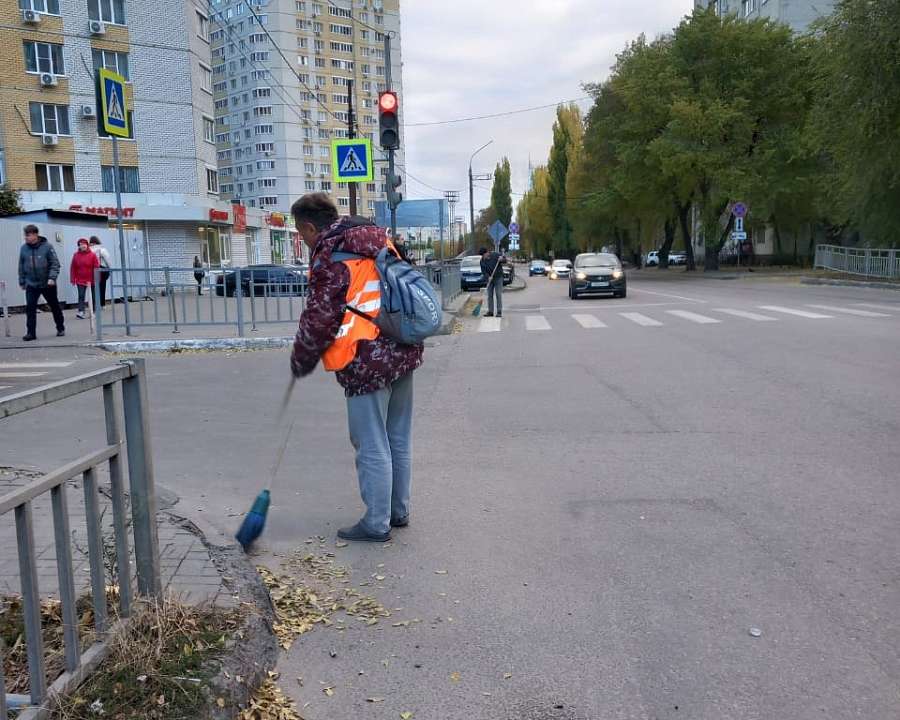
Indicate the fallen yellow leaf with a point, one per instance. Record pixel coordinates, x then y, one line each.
440 572
455 677
220 702
507 676
328 691
406 715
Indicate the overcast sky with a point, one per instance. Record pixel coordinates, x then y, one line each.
476 57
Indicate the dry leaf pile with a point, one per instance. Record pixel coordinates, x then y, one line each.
270 703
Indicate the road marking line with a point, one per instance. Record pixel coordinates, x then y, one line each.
693 317
588 321
4 387
536 322
661 294
18 366
601 304
746 315
850 311
791 311
490 324
641 319
892 308
11 375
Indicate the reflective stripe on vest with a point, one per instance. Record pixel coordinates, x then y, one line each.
364 294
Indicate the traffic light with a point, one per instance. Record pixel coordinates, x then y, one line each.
394 198
389 120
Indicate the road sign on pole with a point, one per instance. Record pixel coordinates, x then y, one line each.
352 160
498 231
113 115
738 235
514 228
739 209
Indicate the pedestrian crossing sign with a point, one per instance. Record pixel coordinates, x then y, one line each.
352 160
113 114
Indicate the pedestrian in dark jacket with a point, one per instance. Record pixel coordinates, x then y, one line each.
199 274
492 269
38 271
81 273
375 371
105 264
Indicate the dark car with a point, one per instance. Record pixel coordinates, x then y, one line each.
596 274
264 281
470 275
509 273
537 267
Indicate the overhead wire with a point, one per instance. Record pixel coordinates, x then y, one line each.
497 115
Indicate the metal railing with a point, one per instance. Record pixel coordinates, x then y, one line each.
173 297
444 276
4 306
124 392
867 262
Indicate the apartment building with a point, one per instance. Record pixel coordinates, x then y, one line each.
798 14
283 71
51 148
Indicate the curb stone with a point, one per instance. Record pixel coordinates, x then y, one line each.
850 283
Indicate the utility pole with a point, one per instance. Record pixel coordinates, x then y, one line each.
351 133
472 179
452 197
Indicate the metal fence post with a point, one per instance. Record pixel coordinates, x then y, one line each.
66 576
117 492
141 480
173 309
5 306
31 602
4 713
239 296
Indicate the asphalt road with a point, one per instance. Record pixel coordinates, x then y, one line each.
616 499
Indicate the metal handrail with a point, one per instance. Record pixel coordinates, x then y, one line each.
124 394
868 262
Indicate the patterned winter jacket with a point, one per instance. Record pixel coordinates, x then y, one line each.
379 362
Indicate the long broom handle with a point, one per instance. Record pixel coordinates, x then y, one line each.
287 435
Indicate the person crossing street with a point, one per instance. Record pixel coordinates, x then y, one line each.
38 272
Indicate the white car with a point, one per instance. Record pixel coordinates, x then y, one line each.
560 269
652 259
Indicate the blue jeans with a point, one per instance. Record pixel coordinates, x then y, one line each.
381 433
495 289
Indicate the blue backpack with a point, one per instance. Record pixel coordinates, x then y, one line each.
410 307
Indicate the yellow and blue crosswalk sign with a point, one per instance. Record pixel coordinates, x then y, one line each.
352 160
113 114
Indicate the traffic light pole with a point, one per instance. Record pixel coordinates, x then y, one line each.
351 133
388 80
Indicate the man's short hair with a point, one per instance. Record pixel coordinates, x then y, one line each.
94 240
315 208
32 229
482 251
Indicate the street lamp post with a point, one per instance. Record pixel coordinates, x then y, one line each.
452 197
472 189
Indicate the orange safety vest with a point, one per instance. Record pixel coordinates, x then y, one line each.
364 294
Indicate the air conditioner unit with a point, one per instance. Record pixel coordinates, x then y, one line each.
97 27
49 140
49 80
88 111
31 16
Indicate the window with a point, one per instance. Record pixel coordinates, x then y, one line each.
215 247
226 189
209 129
259 74
218 87
344 202
748 7
116 61
223 155
259 57
325 167
260 38
48 7
265 147
49 119
222 138
267 182
370 187
202 26
271 201
212 180
342 47
129 180
44 58
309 185
262 93
341 29
262 110
307 150
109 11
264 129
54 177
225 172
326 186
265 165
340 12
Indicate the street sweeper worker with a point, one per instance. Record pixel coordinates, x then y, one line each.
375 371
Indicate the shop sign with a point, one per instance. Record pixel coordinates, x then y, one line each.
240 218
220 216
108 211
275 219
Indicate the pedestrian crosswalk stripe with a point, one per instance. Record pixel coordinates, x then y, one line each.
641 319
791 311
24 365
11 375
756 317
536 322
693 317
588 321
850 311
876 306
490 324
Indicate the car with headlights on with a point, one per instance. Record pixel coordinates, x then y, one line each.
560 269
597 274
537 267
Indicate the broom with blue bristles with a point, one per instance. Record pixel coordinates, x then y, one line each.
255 520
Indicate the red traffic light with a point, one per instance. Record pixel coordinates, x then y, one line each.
388 102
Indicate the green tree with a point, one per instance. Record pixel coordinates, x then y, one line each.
857 113
534 216
567 136
501 192
10 201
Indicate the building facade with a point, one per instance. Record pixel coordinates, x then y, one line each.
51 147
283 72
798 14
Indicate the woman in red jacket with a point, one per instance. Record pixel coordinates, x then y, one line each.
81 274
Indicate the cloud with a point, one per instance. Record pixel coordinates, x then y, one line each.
477 57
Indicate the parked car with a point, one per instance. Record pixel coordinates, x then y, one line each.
537 267
596 274
509 272
470 275
265 281
652 259
560 269
677 258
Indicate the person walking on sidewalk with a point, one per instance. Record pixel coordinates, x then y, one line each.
38 271
375 371
199 274
105 264
81 273
492 269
